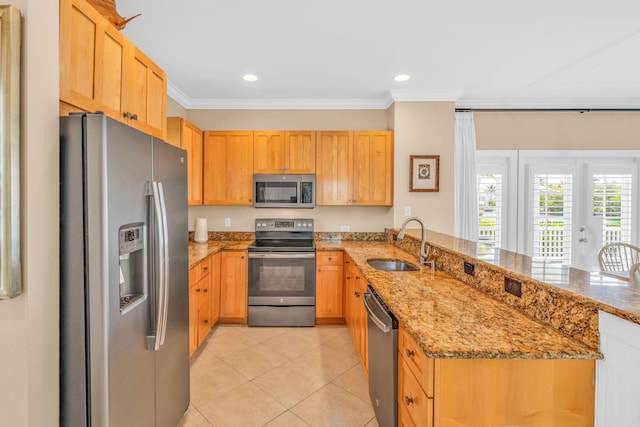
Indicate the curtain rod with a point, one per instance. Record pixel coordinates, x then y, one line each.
527 110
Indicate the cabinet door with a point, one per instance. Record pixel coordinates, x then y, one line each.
145 100
329 291
193 316
233 286
300 152
192 143
268 152
228 168
414 407
373 168
334 168
204 323
92 57
215 288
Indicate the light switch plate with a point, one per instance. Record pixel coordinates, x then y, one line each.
407 211
345 228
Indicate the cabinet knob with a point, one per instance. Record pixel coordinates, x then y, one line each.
126 115
319 270
205 268
206 320
134 117
205 290
409 353
357 294
408 400
197 289
330 259
242 257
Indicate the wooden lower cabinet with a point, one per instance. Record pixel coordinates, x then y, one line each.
492 392
204 295
233 286
355 313
329 295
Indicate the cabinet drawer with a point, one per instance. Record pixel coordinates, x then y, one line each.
204 267
414 407
421 366
328 258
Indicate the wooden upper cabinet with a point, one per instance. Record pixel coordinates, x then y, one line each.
101 70
188 136
228 167
290 152
355 168
373 168
334 168
300 152
145 95
268 152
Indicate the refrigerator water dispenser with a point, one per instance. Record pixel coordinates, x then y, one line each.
132 266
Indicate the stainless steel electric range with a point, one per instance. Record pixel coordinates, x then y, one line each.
282 278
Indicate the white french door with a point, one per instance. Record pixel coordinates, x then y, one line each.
570 206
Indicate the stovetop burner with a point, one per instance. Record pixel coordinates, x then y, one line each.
283 235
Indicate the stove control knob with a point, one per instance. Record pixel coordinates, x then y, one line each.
299 225
264 224
308 224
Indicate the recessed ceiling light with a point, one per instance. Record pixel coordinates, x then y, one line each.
250 77
402 77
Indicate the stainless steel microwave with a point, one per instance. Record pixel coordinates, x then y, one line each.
284 191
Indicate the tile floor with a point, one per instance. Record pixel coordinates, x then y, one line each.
244 377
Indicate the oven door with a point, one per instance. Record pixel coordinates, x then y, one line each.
282 278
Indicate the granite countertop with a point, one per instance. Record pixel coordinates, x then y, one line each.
448 318
605 292
199 251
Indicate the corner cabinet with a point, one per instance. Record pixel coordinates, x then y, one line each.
354 168
101 70
532 392
233 286
228 167
188 136
329 295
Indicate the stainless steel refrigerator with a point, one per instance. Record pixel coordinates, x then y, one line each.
124 309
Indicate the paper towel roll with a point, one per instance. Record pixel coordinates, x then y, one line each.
201 234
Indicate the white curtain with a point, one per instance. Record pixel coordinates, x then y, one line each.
465 198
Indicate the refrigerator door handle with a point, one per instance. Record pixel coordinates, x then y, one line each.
164 249
158 244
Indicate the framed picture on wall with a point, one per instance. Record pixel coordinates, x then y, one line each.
425 173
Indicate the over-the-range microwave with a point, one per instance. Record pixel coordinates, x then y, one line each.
284 191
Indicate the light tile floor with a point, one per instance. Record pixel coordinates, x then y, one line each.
255 376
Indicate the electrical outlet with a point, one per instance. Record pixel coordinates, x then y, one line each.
227 222
345 228
513 286
470 268
407 211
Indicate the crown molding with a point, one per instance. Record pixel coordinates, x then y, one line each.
425 95
394 96
550 104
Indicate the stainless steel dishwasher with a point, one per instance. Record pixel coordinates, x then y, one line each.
383 359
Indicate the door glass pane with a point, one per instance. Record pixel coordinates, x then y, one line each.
612 198
490 209
552 209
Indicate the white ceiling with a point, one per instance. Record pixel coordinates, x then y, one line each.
345 53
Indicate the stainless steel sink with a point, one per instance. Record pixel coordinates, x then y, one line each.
391 265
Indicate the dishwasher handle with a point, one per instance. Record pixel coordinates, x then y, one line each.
384 327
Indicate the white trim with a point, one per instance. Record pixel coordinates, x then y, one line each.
425 95
548 103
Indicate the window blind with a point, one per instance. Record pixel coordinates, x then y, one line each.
552 213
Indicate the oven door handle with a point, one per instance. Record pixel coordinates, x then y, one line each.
283 255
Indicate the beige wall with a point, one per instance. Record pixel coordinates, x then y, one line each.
424 128
289 119
29 323
174 109
557 130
